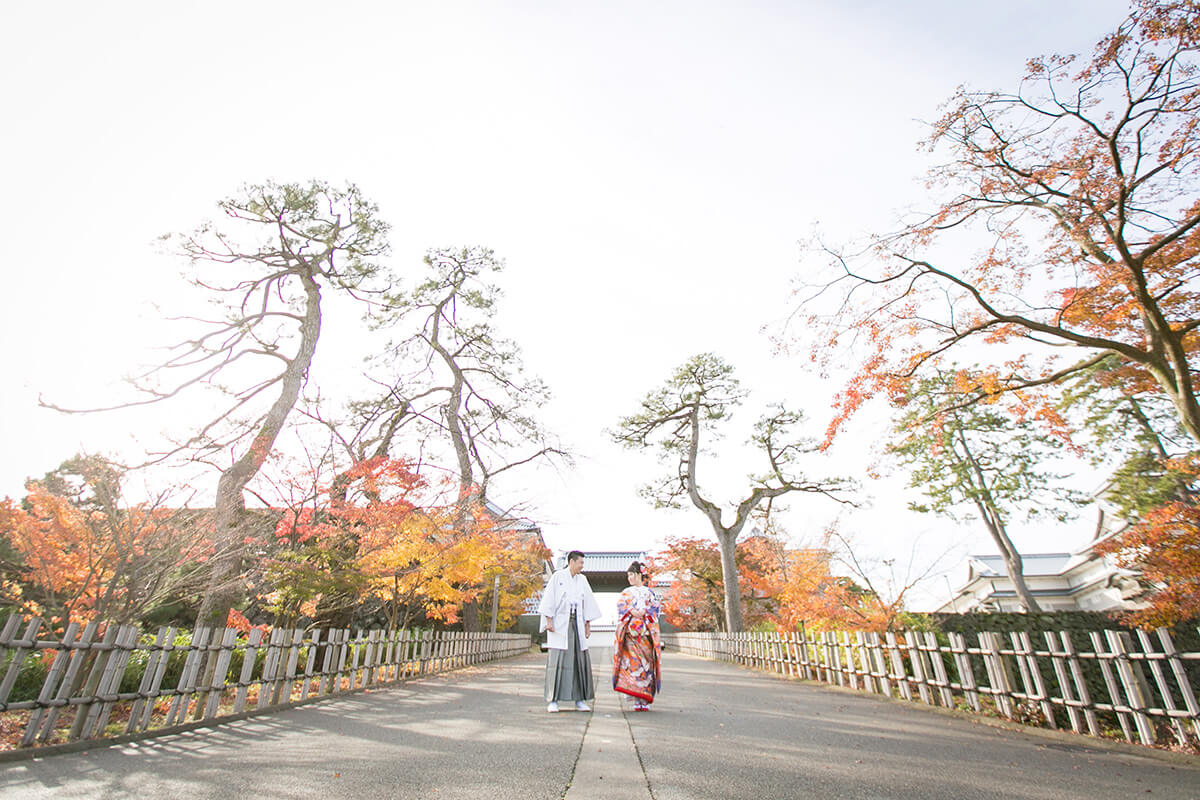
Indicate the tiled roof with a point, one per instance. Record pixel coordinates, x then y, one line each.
1031 564
604 561
510 522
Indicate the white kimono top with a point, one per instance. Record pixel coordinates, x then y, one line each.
562 593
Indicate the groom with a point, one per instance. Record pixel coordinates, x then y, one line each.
566 601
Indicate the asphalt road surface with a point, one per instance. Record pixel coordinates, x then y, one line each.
717 731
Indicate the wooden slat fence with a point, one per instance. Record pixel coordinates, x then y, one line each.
1137 683
107 680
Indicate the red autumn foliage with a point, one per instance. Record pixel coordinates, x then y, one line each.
1165 547
782 588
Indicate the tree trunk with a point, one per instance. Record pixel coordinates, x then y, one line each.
229 517
470 617
729 574
994 523
1008 552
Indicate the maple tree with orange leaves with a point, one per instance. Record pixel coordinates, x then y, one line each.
384 534
1082 191
89 555
1069 239
781 587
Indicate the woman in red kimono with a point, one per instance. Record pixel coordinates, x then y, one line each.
637 651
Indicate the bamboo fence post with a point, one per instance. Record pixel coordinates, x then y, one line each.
378 658
916 656
423 663
999 677
441 650
880 664
1134 682
867 665
966 674
401 653
80 655
1038 682
1106 669
1070 703
21 649
220 674
1031 677
212 650
806 657
1022 666
789 653
1181 678
270 669
1164 689
99 662
291 667
110 681
355 654
900 673
327 662
344 647
389 651
310 664
249 659
142 712
940 678
845 644
1081 688
61 659
833 667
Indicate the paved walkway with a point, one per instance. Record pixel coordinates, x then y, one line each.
718 731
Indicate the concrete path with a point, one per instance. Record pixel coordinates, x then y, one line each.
717 731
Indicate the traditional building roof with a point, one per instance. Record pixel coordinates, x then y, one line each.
604 561
1081 580
509 521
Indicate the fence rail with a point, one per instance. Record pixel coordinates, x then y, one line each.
206 674
1139 684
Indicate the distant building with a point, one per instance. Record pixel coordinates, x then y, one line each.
1083 580
507 521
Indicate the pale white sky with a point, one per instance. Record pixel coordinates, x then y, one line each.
646 170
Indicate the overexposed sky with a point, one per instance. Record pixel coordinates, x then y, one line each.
645 169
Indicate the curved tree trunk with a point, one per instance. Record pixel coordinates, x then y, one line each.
994 523
229 518
468 492
1012 558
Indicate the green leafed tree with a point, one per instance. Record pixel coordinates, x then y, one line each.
965 452
1136 435
682 419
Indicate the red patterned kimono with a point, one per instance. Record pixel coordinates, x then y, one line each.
637 651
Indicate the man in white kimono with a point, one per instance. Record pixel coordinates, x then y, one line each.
568 602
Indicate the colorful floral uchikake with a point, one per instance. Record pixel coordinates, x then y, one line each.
637 651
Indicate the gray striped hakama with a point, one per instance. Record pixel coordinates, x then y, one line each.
569 672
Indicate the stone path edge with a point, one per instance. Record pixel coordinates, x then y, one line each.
638 751
578 753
